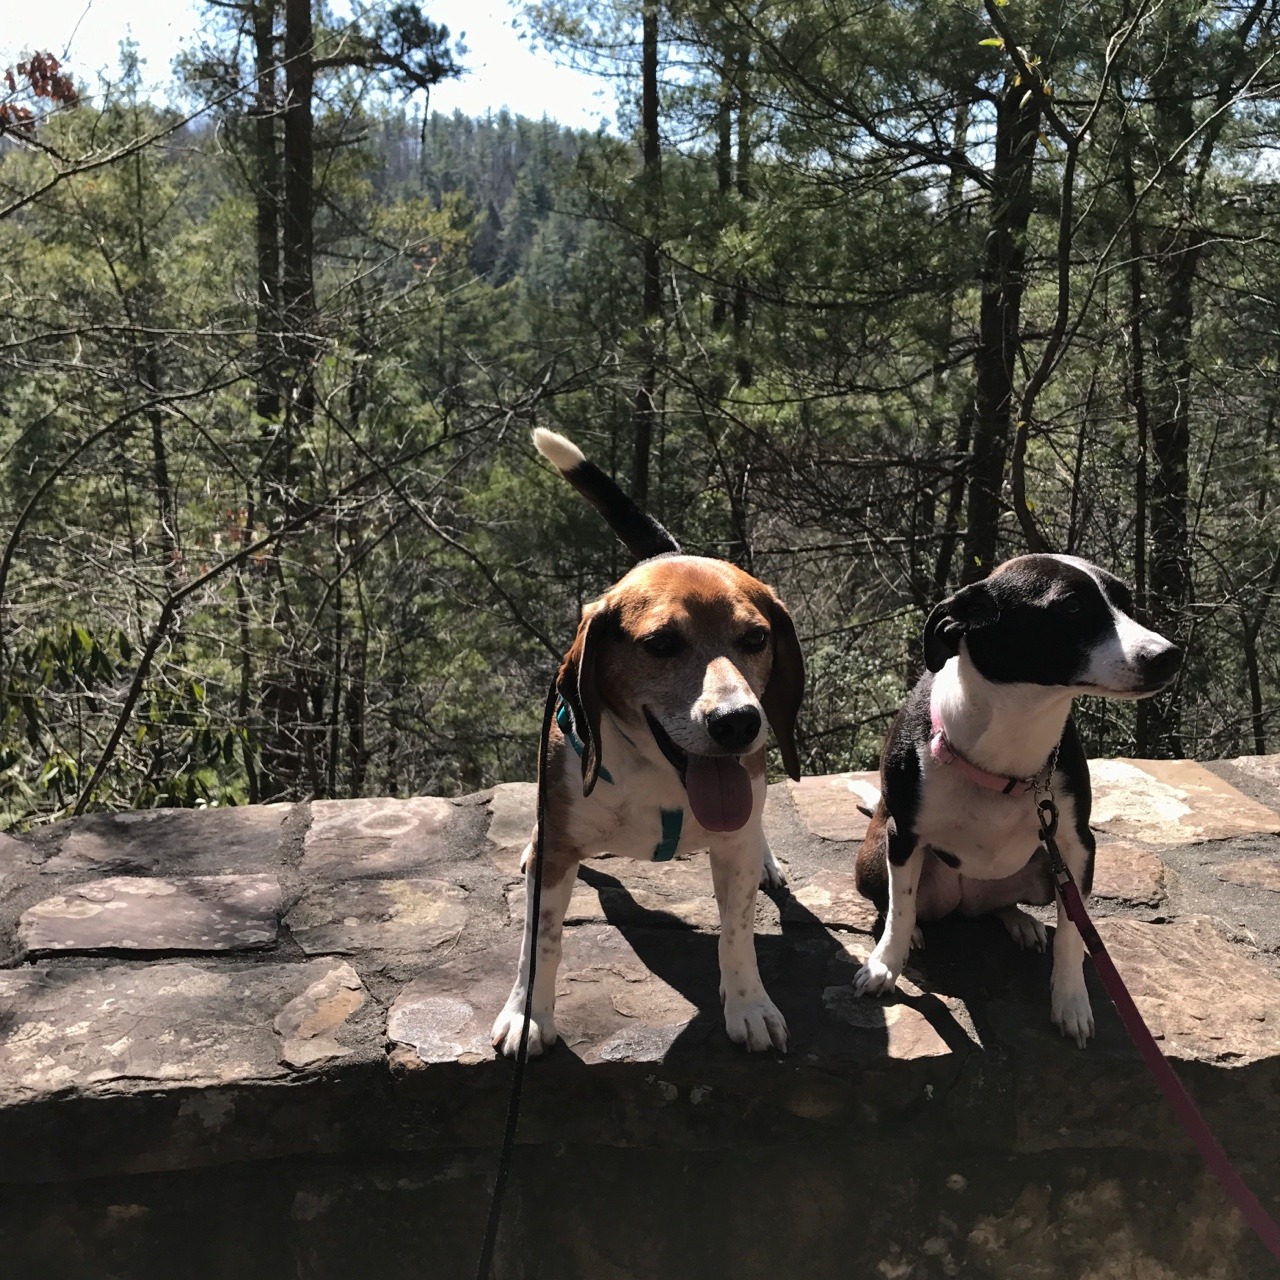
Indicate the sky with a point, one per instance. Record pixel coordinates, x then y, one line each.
503 68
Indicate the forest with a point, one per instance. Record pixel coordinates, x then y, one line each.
864 297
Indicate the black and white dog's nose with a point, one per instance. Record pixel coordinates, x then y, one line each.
1159 667
734 729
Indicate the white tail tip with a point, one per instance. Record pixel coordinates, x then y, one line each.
563 454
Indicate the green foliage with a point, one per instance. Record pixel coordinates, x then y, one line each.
369 597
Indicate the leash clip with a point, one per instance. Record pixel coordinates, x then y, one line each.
1047 812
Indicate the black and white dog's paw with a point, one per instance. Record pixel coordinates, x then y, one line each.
756 1024
1024 929
1072 1013
772 876
510 1022
877 977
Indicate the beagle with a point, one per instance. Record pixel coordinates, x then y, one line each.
674 678
988 728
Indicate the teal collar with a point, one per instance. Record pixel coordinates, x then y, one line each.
672 824
672 819
564 718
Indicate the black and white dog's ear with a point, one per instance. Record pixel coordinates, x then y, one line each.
950 621
578 683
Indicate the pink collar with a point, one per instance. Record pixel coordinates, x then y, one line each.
943 752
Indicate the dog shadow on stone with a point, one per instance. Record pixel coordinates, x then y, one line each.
805 967
1003 988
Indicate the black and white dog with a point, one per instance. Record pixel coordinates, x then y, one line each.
986 727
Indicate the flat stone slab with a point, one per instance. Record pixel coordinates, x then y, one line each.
98 1031
430 1028
313 1027
378 915
186 841
376 837
1203 998
1124 872
828 806
640 995
1172 802
610 1006
624 891
830 898
13 854
143 913
511 814
15 858
1252 873
1265 769
907 1033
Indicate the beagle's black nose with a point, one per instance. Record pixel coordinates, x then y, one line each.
734 729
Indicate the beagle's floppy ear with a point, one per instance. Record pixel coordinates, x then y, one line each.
952 619
783 694
578 684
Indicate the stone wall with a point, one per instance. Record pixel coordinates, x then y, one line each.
254 1043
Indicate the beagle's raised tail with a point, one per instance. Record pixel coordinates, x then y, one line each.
641 534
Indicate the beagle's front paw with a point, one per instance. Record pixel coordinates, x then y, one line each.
772 875
1072 1013
756 1024
510 1022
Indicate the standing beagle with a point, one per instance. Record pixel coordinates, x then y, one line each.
985 730
667 694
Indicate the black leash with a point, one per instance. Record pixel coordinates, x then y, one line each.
522 1054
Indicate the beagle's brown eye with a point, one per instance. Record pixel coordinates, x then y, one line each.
663 644
754 640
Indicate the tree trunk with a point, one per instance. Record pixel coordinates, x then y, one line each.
147 371
651 263
1252 668
1004 256
741 304
298 288
1141 418
955 500
1169 570
724 176
267 205
928 582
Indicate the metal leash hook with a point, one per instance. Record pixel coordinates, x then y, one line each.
1175 1093
1047 811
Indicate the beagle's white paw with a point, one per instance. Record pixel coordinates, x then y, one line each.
509 1024
772 875
1072 1014
756 1024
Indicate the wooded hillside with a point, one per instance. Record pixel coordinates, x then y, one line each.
863 297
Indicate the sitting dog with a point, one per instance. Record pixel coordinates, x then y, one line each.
987 727
666 697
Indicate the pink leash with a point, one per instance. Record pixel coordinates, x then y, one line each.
1175 1093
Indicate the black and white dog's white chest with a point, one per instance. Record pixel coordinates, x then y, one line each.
982 834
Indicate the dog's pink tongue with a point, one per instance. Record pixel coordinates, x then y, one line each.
719 790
